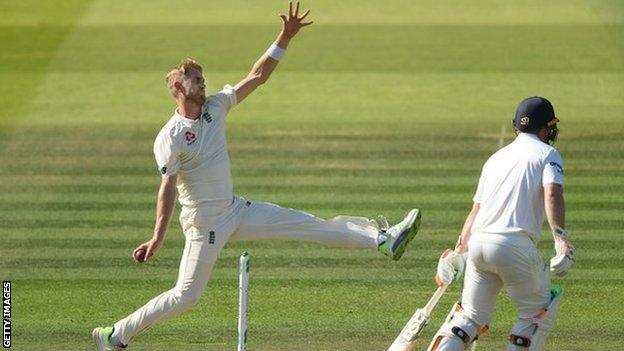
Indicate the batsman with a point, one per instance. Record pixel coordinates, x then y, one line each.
192 158
498 241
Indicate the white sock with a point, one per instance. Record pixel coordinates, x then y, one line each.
381 238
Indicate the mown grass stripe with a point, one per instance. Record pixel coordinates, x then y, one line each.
561 48
440 205
441 222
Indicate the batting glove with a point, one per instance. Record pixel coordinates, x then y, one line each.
450 267
564 253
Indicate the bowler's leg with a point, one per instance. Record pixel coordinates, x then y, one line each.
262 220
200 253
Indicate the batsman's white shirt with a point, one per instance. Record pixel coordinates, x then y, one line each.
196 150
510 191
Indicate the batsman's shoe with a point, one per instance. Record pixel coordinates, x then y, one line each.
394 240
101 336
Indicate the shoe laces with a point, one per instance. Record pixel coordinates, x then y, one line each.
382 223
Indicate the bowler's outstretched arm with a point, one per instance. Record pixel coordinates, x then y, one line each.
262 69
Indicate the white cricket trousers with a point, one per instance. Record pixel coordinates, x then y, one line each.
495 260
207 229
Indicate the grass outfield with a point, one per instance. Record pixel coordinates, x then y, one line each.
377 108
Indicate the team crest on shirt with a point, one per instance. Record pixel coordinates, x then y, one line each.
190 137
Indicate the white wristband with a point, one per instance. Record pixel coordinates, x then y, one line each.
275 52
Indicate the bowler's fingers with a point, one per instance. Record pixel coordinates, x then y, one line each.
303 24
283 17
290 9
149 252
305 14
297 9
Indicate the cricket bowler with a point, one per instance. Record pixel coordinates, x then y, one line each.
498 241
192 158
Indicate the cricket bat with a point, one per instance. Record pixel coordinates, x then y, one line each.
406 341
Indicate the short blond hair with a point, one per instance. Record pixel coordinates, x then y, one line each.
180 71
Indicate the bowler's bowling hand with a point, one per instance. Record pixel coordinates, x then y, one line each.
146 250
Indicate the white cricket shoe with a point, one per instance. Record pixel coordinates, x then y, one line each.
101 336
395 239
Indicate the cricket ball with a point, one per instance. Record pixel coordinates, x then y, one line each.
139 255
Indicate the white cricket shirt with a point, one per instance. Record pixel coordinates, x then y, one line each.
510 191
196 151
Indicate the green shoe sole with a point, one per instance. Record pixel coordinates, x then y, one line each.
401 243
101 337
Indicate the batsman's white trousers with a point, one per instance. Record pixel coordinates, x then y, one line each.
495 260
512 260
207 229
